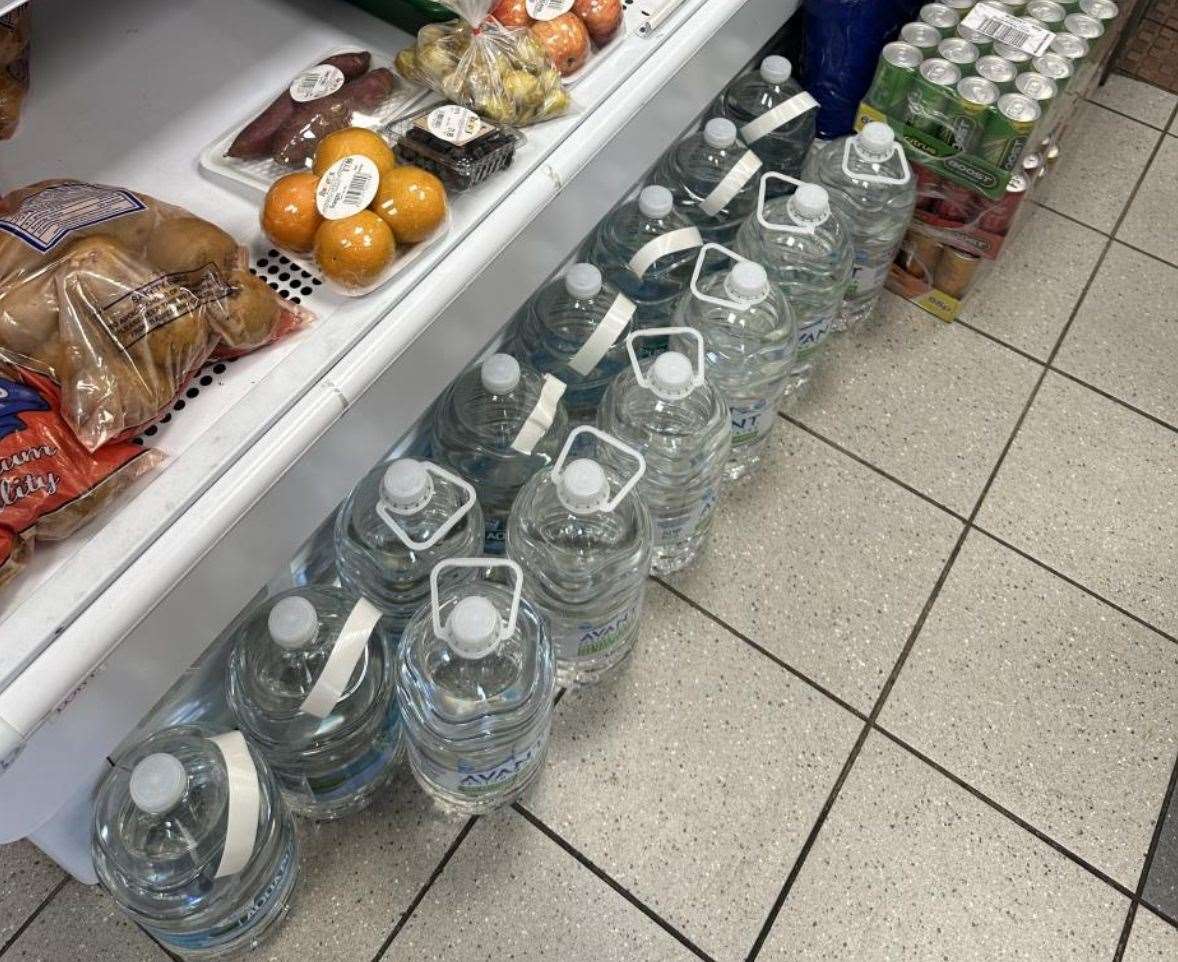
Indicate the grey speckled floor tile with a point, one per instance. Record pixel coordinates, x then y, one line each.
1091 488
1142 101
851 563
1151 940
360 874
931 403
1047 701
1023 304
83 924
1151 223
1124 339
1101 157
26 877
909 866
510 892
1161 888
694 777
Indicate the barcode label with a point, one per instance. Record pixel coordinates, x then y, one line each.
1001 27
347 187
316 82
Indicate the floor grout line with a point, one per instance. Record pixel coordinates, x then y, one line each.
605 877
1096 230
1160 422
1121 113
23 927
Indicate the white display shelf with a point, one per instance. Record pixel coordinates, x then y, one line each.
128 92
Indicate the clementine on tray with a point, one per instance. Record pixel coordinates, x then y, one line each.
354 251
289 215
411 201
354 140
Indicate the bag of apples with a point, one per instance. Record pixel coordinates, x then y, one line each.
504 73
570 30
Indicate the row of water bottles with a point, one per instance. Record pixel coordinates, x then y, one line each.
590 452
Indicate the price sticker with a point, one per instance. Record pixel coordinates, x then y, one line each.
348 186
316 82
1002 27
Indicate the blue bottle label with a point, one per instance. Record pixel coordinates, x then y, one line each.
750 422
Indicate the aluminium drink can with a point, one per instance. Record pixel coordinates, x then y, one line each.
1069 6
920 254
923 37
1047 12
1054 67
998 70
1008 130
984 42
1032 165
1083 26
975 97
955 272
1070 46
1013 54
958 51
1102 10
1015 7
894 75
1038 88
996 217
944 19
961 7
932 102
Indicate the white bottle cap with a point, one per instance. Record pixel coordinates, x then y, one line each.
583 486
876 138
583 280
293 623
671 375
473 627
775 69
747 281
655 201
500 373
811 202
157 783
406 487
719 132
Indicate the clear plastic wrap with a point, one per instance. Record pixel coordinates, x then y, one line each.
14 67
120 299
502 73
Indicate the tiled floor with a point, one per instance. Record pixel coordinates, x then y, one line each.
920 701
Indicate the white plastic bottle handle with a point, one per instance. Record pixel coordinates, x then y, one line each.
394 525
697 375
672 242
507 630
244 803
877 178
609 439
541 417
778 116
731 184
345 655
604 335
769 225
699 267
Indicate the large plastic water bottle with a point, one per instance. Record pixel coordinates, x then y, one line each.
646 248
751 340
311 683
805 245
712 176
870 182
496 425
398 522
476 680
669 410
773 115
582 536
573 328
194 842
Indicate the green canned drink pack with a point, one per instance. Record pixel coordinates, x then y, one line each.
999 71
923 37
1009 128
1102 10
984 42
1070 46
975 97
943 18
960 52
933 98
1047 12
1054 67
1083 26
894 75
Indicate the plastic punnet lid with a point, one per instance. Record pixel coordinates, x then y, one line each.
671 375
720 132
473 627
157 783
583 486
747 281
655 201
500 373
583 280
877 138
406 487
776 69
811 202
293 623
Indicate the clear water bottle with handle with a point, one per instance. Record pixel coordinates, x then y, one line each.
645 247
398 522
751 342
773 115
498 423
574 328
476 679
712 175
871 184
669 410
582 537
311 683
192 839
806 247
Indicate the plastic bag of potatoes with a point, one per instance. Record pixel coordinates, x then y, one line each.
14 67
120 299
500 72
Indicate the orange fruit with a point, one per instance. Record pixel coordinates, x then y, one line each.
353 140
354 251
289 215
411 201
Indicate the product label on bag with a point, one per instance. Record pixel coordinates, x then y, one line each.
587 640
454 124
316 82
348 186
750 422
46 218
1006 28
547 9
132 316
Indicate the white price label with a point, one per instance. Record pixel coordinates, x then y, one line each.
348 186
316 82
1003 27
547 9
454 124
